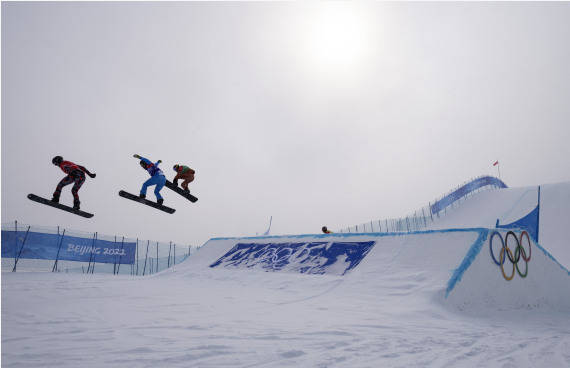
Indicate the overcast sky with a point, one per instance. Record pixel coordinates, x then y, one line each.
316 114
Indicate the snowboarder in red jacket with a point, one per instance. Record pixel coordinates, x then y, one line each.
75 174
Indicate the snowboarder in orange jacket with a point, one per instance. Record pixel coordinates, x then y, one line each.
185 173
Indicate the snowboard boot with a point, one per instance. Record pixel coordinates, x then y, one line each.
160 201
55 198
186 191
143 196
76 204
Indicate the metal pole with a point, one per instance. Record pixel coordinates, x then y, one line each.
94 255
169 250
114 257
16 245
54 269
20 252
145 258
137 255
156 256
174 253
91 253
120 254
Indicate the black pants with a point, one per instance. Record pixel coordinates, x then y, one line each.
77 177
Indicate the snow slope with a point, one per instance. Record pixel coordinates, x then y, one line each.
433 298
508 205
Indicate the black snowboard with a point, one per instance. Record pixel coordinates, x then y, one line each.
41 200
181 191
135 198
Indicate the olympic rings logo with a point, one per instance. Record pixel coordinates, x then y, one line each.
506 253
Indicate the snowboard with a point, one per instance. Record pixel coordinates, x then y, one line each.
136 198
41 200
180 191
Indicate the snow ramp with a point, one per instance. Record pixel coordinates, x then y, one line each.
485 208
454 266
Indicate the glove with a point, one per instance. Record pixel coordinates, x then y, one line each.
159 161
93 175
136 156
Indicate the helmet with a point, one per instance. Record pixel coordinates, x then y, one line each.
57 160
143 164
175 167
325 229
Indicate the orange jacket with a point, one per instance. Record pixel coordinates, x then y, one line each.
184 172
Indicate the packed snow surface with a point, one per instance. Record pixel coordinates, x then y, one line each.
434 298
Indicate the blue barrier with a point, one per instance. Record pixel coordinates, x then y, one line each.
303 257
47 246
464 190
530 222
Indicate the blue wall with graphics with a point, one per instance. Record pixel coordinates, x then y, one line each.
305 257
35 245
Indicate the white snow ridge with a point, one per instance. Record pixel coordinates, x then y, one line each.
434 298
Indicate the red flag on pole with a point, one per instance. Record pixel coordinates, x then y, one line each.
496 163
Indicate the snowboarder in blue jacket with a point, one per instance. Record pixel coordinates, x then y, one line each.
156 178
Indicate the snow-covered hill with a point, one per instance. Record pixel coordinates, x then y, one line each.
434 298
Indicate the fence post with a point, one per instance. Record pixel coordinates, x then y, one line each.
169 250
174 253
145 258
156 256
115 257
137 255
16 240
54 269
91 257
94 254
120 254
20 252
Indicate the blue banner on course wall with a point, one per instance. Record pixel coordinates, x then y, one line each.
305 257
45 246
464 190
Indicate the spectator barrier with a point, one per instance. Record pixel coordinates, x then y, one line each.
41 248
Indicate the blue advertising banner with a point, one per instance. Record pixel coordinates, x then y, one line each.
304 257
464 190
46 246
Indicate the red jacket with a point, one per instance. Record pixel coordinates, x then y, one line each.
68 167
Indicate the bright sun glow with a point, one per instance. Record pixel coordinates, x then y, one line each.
337 40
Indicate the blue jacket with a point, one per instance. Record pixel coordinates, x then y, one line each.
152 169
